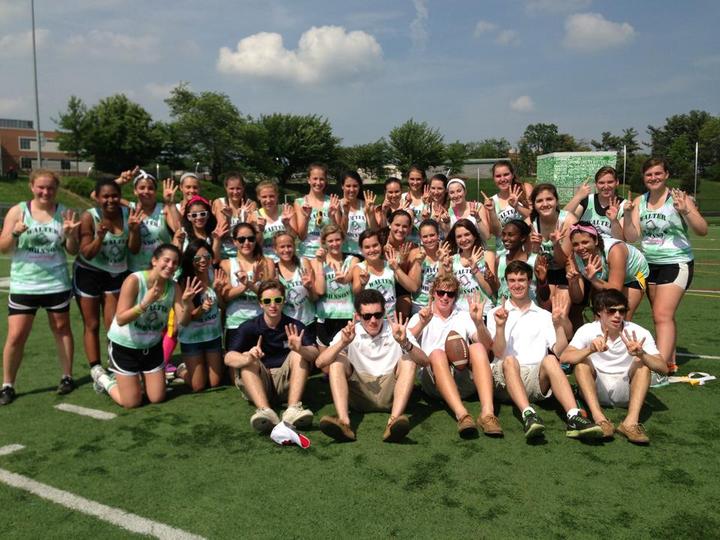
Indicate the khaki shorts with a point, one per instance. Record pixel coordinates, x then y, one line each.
276 382
463 381
530 376
613 389
370 393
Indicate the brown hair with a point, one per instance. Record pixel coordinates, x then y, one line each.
266 184
37 173
331 229
321 166
654 162
269 284
602 171
444 282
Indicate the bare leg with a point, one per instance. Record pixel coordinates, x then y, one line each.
60 327
155 386
195 377
639 384
254 387
215 368
585 376
110 301
513 382
664 300
552 376
445 383
634 297
339 372
482 377
128 392
90 311
299 373
404 381
19 327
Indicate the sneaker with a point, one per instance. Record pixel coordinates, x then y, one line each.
7 395
490 425
396 429
466 427
608 429
96 371
658 380
297 416
335 429
66 385
579 426
533 425
264 420
181 370
635 434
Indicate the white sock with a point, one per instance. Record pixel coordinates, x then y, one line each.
530 409
7 385
106 382
573 412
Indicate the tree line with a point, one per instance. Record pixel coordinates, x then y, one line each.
207 128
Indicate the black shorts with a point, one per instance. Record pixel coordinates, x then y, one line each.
328 329
28 304
127 361
680 274
400 290
635 284
557 277
94 283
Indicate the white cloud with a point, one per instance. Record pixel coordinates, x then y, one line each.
522 104
159 90
507 37
129 48
10 105
589 32
9 9
20 44
483 27
418 27
556 6
323 54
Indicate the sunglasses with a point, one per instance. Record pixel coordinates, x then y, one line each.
613 310
199 258
319 218
449 294
268 301
243 239
195 215
367 316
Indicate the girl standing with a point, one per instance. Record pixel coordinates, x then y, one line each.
604 209
514 236
417 197
460 208
467 263
315 211
429 257
270 220
355 215
232 209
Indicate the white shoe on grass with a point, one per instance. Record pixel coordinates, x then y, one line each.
298 416
264 420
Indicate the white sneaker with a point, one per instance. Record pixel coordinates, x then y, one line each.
96 372
264 420
297 416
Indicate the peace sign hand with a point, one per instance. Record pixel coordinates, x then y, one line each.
152 295
585 189
536 240
426 194
294 339
127 176
476 303
347 334
599 344
306 278
477 256
392 256
426 313
613 209
135 217
70 222
488 202
629 204
363 275
634 347
287 214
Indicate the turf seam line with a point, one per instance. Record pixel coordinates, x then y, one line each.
125 520
10 448
84 411
701 356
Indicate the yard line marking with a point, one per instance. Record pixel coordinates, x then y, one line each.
701 356
703 295
125 520
716 291
10 448
84 411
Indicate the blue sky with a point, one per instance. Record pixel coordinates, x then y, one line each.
471 69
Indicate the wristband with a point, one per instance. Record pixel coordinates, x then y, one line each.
137 310
407 346
16 234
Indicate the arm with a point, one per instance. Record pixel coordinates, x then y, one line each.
128 309
574 205
499 343
319 277
573 356
329 355
631 220
90 243
134 218
301 219
13 227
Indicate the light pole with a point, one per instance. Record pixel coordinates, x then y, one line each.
37 101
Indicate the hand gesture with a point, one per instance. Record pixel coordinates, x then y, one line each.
227 212
560 306
102 228
488 202
629 204
426 313
369 200
179 236
192 287
152 295
294 339
404 254
444 250
407 204
207 303
681 202
392 256
541 268
571 272
477 257
169 189
634 347
501 316
419 255
260 222
363 275
70 222
536 240
599 344
558 234
247 208
516 192
256 352
426 211
613 209
242 277
221 229
135 217
399 329
334 204
127 176
306 208
585 189
258 272
592 266
347 334
220 284
321 254
19 226
306 278
491 278
287 214
426 194
476 303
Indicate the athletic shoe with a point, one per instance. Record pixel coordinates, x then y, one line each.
170 368
297 416
179 372
396 429
96 371
490 425
635 434
7 395
264 420
66 385
658 380
533 425
579 426
607 428
335 429
466 427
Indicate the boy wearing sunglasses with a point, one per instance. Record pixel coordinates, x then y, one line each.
274 356
371 364
431 326
526 343
613 361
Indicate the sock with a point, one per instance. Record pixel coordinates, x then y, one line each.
573 412
7 385
94 363
106 382
528 410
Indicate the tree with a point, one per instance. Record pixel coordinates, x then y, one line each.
525 161
415 143
567 143
371 158
120 134
294 142
71 135
675 126
488 148
174 152
615 143
682 161
710 148
541 138
455 155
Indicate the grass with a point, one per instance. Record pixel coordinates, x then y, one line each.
194 462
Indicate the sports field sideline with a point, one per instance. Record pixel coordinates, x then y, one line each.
193 464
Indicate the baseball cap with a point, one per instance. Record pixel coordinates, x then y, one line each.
285 435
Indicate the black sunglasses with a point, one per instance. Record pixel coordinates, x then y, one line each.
449 294
620 310
367 316
243 239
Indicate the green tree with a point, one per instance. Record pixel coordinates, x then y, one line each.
567 143
488 148
456 154
71 135
675 126
120 134
710 148
416 143
294 142
682 161
174 152
371 157
525 160
541 138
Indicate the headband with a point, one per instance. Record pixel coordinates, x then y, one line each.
456 181
198 198
589 229
142 175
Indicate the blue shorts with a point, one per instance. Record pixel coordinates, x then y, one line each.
194 349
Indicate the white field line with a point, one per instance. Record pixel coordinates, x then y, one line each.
125 520
701 356
84 411
10 448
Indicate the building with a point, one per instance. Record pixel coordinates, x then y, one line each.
18 149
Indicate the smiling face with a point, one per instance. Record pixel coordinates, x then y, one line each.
545 203
44 188
655 177
512 238
584 244
400 228
606 185
437 191
613 317
374 325
268 198
190 187
145 191
273 310
166 263
503 177
371 248
351 188
518 285
443 302
429 237
201 260
284 247
456 193
464 239
317 181
415 181
245 241
334 242
235 190
195 214
393 192
109 198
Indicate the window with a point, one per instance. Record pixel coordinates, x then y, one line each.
25 163
25 143
65 164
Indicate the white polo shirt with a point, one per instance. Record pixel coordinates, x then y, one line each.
374 356
435 333
528 334
616 360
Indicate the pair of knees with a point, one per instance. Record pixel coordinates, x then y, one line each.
477 353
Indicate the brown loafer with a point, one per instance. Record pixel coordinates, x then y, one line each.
608 429
397 429
635 434
335 429
490 425
466 427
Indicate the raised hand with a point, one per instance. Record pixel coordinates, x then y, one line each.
585 188
501 316
634 347
70 222
321 254
294 338
370 199
392 256
407 203
179 236
247 209
593 266
258 272
476 303
681 201
477 256
287 213
221 229
399 328
516 192
256 353
536 240
571 271
152 295
599 344
541 268
474 207
560 306
347 334
306 208
192 287
169 189
306 278
488 202
135 217
558 234
629 204
404 254
613 209
127 176
426 194
220 284
426 313
363 275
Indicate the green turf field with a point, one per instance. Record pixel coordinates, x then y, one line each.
195 464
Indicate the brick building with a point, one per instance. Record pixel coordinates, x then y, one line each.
18 149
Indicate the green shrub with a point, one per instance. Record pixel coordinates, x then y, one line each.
79 185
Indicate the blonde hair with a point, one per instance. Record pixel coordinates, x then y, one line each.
331 229
444 282
266 184
37 173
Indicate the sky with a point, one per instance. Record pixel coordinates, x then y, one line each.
471 69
